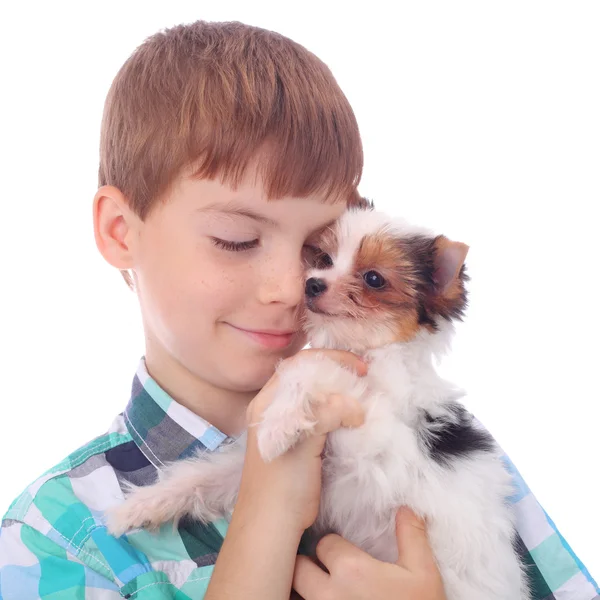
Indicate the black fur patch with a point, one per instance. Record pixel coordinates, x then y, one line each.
366 204
453 436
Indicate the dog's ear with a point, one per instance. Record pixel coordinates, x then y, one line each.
448 297
448 259
439 270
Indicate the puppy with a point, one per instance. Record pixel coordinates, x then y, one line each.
389 292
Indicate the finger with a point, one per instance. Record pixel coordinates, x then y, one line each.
332 548
346 359
338 411
310 581
414 550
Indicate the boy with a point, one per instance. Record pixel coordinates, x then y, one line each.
225 149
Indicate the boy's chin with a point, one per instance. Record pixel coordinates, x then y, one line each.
252 375
247 382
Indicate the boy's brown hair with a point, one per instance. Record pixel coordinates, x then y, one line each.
214 95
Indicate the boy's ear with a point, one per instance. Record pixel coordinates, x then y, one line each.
115 229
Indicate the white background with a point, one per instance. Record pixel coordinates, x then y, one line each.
479 119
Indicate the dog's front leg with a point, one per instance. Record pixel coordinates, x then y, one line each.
204 487
305 385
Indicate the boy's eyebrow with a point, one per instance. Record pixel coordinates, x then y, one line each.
233 209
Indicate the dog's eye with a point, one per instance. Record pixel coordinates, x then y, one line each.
374 280
315 258
324 261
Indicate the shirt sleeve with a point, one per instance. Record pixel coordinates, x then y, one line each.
555 571
33 567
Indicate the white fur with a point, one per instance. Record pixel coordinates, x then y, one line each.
370 471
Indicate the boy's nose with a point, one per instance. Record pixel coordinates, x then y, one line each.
283 283
315 287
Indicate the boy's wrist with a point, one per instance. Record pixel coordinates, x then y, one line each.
268 506
258 555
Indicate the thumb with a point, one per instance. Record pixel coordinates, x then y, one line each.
414 551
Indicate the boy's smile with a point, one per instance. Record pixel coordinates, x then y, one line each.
271 338
220 277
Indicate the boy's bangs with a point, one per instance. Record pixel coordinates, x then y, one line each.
301 161
297 155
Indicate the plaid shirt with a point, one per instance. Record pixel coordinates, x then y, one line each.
54 544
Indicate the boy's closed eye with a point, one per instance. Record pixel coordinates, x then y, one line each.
231 246
313 257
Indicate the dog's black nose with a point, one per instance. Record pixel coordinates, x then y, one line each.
314 287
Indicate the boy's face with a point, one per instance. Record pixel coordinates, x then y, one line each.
218 270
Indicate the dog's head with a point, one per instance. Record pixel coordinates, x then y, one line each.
374 280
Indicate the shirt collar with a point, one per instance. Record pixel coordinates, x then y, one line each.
163 429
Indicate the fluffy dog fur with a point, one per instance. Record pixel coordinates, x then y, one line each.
389 292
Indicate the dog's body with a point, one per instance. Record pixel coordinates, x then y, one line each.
418 446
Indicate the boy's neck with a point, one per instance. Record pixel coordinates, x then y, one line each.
224 409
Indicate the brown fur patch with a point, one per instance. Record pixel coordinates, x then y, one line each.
419 285
397 301
407 326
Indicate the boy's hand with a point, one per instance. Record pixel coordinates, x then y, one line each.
354 575
277 501
292 481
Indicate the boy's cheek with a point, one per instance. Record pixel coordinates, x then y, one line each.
297 345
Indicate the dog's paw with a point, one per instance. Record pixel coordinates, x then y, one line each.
282 426
142 508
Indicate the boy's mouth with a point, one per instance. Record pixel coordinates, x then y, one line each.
269 338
